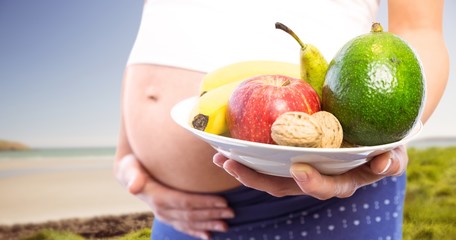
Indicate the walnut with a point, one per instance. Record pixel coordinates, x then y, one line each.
297 129
332 130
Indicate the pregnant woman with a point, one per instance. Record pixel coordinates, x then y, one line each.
172 171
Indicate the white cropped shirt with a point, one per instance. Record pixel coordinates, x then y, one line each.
203 35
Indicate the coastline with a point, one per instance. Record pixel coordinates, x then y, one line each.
41 188
47 189
428 142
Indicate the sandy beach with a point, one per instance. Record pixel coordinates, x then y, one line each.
39 190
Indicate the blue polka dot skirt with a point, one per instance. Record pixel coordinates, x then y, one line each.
373 212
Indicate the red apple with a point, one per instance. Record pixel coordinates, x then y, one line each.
257 102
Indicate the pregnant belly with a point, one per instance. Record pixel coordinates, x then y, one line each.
172 155
178 160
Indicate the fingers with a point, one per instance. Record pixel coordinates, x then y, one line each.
313 183
210 222
307 180
194 219
392 163
136 183
189 200
172 204
200 214
130 173
323 187
276 186
193 211
219 159
195 233
194 214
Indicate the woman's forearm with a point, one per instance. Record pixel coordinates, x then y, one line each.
420 24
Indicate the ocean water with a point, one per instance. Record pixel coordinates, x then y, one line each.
433 142
108 152
67 153
68 159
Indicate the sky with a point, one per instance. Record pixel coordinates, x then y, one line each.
61 65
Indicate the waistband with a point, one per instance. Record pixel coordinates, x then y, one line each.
251 205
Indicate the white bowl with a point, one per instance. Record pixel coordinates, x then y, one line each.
276 160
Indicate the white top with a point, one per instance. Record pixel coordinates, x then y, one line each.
206 34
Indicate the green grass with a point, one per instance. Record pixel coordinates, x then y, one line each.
430 205
143 234
48 234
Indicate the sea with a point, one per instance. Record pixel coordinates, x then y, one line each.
429 142
60 153
70 159
108 152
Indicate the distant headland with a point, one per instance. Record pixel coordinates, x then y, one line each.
12 146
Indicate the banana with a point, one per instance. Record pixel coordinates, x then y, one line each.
313 64
246 69
217 86
209 112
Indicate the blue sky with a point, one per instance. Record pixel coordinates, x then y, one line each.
61 65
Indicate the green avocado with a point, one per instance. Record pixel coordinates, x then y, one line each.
375 86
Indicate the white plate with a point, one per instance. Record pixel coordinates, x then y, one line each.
274 159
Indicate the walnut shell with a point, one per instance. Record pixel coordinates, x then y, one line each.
332 130
297 129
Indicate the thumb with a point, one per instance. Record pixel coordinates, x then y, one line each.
321 186
131 174
136 183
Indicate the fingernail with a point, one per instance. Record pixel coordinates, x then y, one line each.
227 214
214 160
230 172
300 173
204 237
220 228
217 164
220 205
388 165
130 182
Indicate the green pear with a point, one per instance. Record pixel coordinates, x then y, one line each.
313 64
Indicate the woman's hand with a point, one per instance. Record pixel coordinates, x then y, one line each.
194 214
307 180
